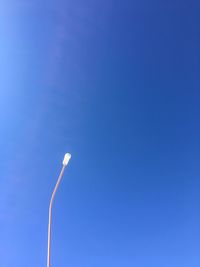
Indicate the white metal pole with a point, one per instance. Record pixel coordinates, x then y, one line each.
65 162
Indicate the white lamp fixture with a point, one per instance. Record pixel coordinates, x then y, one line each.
66 159
65 162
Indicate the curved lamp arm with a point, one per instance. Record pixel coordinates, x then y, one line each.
65 162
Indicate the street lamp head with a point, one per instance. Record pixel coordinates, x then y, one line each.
66 159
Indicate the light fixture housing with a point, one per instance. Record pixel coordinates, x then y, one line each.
66 159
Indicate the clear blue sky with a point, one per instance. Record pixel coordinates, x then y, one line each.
117 84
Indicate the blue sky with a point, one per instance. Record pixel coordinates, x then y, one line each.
116 83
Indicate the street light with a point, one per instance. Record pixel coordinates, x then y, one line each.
65 162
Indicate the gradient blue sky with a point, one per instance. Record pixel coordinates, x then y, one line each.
117 84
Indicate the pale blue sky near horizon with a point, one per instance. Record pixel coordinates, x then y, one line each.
116 84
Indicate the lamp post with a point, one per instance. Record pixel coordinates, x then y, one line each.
65 162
